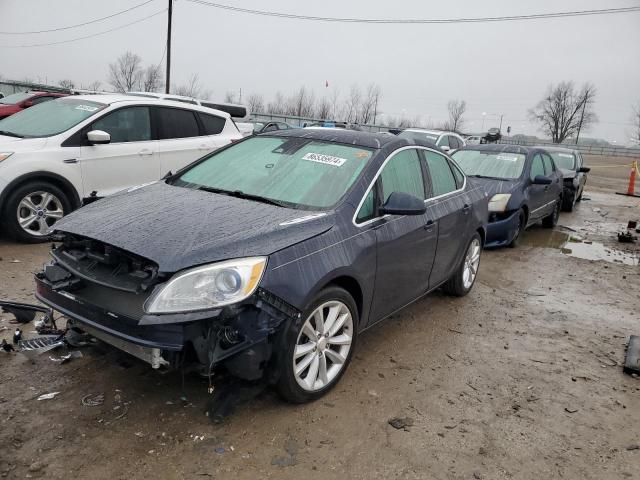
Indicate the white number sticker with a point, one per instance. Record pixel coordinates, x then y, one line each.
86 108
507 157
326 159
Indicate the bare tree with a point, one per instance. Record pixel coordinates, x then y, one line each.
335 100
126 72
255 102
66 83
193 88
94 86
353 104
277 106
230 97
323 109
457 109
369 104
635 121
151 79
564 112
301 103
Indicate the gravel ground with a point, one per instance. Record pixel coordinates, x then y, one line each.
521 379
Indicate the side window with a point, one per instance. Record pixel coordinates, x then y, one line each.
403 173
130 124
272 127
42 99
283 126
442 179
213 125
548 165
176 123
458 174
367 210
444 141
453 142
537 168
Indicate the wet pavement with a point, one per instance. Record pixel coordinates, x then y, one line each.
521 379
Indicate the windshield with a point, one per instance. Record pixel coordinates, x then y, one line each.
500 165
50 118
15 98
564 160
294 172
418 135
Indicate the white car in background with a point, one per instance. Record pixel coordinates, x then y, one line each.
447 141
473 140
55 155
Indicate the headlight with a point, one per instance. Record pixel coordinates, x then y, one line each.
5 155
498 203
210 286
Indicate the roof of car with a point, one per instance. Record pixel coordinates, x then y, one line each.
354 137
501 147
424 130
557 149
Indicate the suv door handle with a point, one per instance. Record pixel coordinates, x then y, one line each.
145 152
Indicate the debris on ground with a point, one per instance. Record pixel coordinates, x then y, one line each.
401 423
93 399
291 447
570 410
17 336
633 447
7 347
632 362
48 396
37 346
67 358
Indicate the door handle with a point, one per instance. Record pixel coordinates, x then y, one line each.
145 152
70 160
466 208
429 225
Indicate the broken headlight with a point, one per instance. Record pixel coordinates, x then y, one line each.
498 202
207 287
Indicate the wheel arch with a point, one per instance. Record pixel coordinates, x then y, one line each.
352 286
59 181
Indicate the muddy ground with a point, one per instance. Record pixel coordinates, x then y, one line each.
521 379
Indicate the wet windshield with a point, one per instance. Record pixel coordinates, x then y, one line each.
500 165
49 118
564 160
293 172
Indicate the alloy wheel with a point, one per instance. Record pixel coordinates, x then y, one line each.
323 346
471 263
38 211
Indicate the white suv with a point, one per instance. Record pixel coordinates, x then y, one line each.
447 141
55 155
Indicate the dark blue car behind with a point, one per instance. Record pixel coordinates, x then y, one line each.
523 184
269 256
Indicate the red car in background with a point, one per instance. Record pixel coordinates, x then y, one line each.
19 101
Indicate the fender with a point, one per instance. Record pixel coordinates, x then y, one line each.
74 196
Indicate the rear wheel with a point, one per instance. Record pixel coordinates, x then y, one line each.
318 346
465 276
522 222
32 209
551 220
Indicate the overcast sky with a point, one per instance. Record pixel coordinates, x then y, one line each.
498 68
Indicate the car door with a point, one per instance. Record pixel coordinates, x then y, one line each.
537 193
179 139
405 244
555 189
448 208
129 159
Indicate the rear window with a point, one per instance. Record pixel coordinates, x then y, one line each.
176 123
500 165
212 124
564 160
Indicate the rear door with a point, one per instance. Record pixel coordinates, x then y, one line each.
129 159
179 139
406 244
538 194
448 209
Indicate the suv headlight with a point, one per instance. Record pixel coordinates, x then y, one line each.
498 202
5 155
209 286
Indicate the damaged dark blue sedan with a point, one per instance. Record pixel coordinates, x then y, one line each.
268 257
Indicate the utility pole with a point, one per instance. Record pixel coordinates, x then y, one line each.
167 84
501 122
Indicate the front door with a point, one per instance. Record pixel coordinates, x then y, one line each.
537 193
406 244
129 159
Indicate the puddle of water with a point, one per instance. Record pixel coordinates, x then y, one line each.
574 246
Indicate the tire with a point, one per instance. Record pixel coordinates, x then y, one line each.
457 285
48 204
568 201
522 223
551 220
294 337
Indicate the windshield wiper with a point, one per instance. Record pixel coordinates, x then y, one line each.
10 134
486 176
246 196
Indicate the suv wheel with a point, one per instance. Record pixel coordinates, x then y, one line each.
318 346
32 209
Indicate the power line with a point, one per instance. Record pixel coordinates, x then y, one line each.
86 36
80 24
537 16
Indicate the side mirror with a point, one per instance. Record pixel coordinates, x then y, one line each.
98 137
584 170
445 148
400 203
541 180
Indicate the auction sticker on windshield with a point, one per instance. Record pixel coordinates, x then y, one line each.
86 108
326 159
507 157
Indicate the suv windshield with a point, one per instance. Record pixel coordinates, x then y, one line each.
50 118
418 135
564 160
293 172
501 165
15 98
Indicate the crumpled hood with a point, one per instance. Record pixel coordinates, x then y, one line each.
492 187
180 228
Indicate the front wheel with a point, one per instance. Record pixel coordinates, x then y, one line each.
568 201
318 346
522 223
465 276
551 220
